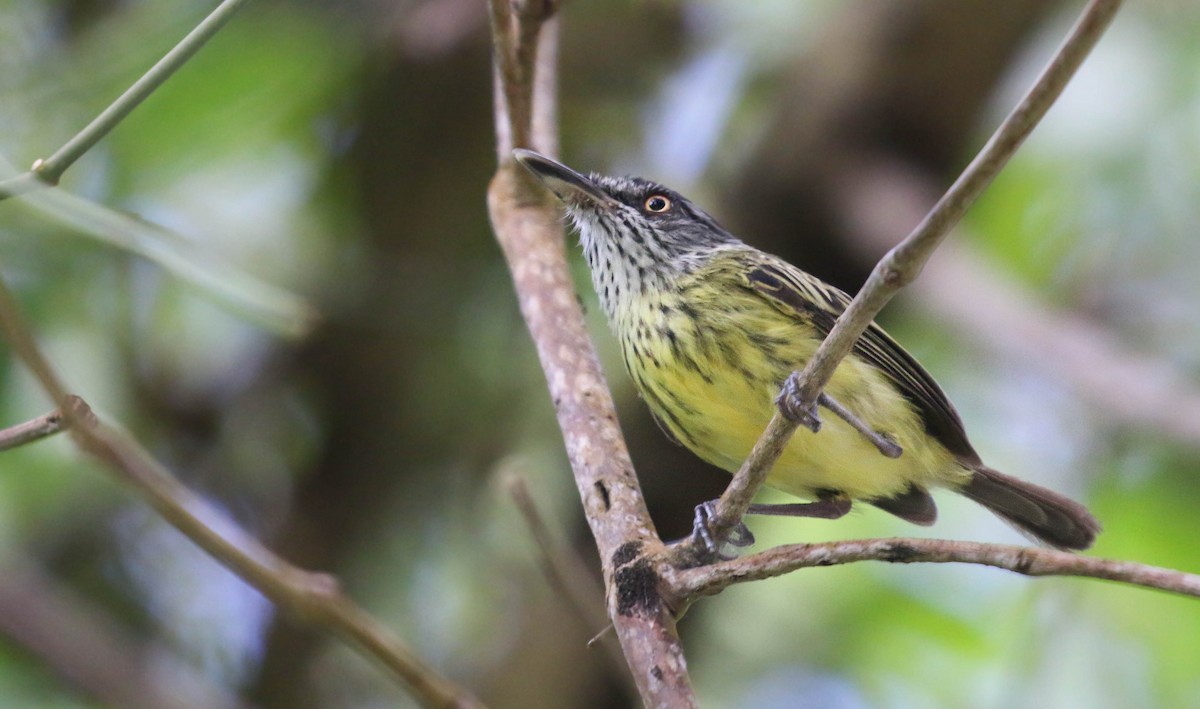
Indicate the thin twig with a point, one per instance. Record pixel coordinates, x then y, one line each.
312 597
1030 561
886 447
44 426
527 227
903 263
49 171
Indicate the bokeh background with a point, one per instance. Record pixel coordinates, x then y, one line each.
340 151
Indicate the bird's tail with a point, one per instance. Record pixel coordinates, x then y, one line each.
1048 516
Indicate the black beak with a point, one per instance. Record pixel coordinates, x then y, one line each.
568 185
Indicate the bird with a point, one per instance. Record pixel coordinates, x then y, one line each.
710 330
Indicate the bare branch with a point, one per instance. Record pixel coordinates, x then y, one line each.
527 227
565 572
44 425
1030 561
903 264
311 597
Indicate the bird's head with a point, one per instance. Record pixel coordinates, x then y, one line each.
639 223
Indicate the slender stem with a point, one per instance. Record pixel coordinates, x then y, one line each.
44 425
525 53
1030 561
543 131
14 329
904 262
886 448
565 572
50 170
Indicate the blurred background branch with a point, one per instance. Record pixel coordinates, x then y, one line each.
1130 388
566 571
45 425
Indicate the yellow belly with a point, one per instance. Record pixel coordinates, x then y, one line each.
717 400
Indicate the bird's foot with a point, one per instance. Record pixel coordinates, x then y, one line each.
702 532
794 408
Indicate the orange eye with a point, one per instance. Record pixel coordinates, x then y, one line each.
657 204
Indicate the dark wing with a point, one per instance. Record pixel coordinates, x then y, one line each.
789 291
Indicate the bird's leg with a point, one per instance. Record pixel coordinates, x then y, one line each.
829 505
886 446
739 536
792 406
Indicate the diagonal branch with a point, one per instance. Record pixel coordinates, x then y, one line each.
1030 561
904 262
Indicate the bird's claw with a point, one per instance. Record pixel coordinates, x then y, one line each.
794 408
740 536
